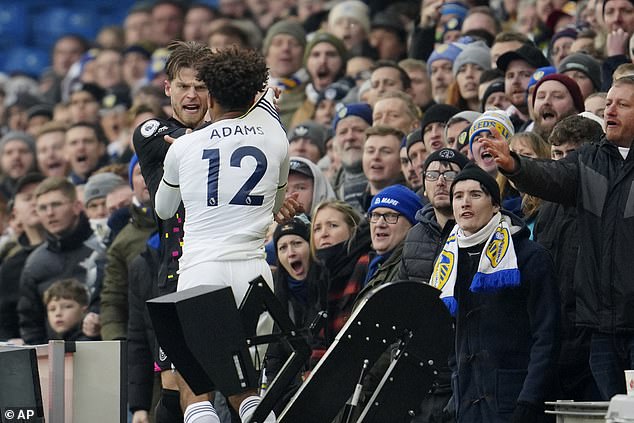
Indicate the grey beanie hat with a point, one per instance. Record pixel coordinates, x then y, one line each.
583 63
287 26
312 131
19 136
100 185
477 53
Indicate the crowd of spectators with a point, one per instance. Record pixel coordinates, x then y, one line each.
387 106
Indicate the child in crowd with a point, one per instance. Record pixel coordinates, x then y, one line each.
66 304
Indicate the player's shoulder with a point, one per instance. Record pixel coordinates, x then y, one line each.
155 128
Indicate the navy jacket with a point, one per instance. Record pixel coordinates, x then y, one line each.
507 342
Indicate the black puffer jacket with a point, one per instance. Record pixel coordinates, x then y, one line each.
422 245
598 181
10 272
78 255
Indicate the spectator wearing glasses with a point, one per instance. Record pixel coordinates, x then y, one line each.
391 215
71 250
424 242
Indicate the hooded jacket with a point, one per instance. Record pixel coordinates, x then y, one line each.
321 187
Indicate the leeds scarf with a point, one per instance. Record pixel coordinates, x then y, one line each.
497 268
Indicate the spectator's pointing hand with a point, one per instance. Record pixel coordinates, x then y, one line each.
498 147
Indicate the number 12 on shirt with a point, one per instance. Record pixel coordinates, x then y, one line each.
243 197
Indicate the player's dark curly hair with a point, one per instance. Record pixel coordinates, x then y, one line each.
185 54
234 76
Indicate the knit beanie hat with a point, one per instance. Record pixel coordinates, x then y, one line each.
133 161
312 131
27 139
412 138
570 85
463 138
539 74
453 24
583 63
362 110
446 155
326 37
568 32
476 53
454 8
298 226
468 115
289 27
491 119
438 113
100 185
400 199
444 51
353 9
390 22
496 86
473 172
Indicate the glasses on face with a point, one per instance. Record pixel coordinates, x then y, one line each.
433 175
43 208
390 218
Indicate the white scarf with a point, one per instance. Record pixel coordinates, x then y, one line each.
497 267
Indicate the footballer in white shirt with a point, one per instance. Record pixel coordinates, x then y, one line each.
231 176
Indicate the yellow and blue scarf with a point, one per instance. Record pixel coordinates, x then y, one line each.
497 268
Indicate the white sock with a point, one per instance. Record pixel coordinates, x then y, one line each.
201 412
247 408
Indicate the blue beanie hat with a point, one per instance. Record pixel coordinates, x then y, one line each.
398 198
362 110
539 74
454 8
133 161
444 51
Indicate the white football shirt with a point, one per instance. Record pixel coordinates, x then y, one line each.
228 173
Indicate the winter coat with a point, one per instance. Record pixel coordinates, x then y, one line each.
506 341
422 245
141 343
10 273
387 271
127 245
78 255
598 181
343 270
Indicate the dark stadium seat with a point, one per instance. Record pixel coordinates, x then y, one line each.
13 28
30 60
54 22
